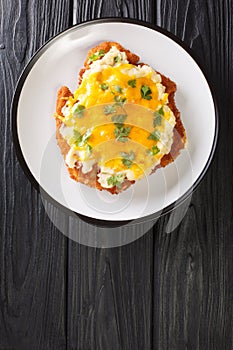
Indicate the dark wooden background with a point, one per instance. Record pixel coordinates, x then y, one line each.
164 291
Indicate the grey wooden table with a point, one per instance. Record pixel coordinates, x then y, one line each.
163 291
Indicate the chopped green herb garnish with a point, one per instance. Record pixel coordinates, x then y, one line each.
119 118
160 111
121 132
146 92
80 140
88 150
132 83
155 136
127 162
97 55
104 86
87 135
109 109
78 111
119 99
127 158
115 180
157 119
117 59
118 89
77 137
154 150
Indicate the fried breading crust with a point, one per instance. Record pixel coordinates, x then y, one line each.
63 93
90 178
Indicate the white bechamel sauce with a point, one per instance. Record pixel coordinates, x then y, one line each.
103 179
72 157
66 110
143 71
106 61
87 165
161 90
66 131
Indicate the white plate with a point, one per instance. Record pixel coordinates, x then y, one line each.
57 63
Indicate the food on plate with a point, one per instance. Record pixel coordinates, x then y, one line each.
121 123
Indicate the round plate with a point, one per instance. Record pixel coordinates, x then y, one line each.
57 63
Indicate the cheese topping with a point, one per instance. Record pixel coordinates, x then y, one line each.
118 119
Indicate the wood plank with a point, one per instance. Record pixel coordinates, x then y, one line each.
109 295
109 290
32 250
193 278
87 10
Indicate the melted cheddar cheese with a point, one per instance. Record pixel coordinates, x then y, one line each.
119 119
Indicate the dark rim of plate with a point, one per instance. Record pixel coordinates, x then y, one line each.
14 108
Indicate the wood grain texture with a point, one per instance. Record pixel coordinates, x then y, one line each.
104 287
86 10
32 251
194 267
163 291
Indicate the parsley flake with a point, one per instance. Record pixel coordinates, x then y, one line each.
87 135
119 118
78 111
154 150
109 109
97 55
118 89
132 83
81 140
146 92
127 158
160 111
121 133
88 150
117 59
155 136
104 86
115 180
119 99
77 137
158 117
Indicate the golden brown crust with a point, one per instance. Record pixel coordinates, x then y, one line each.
62 95
64 147
179 136
90 178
